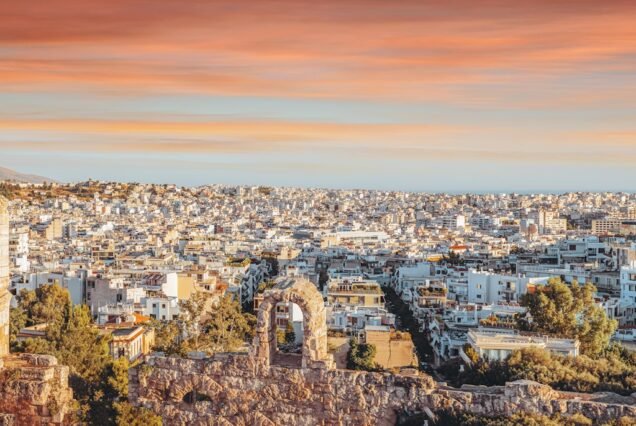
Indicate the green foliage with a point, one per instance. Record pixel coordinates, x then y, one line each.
280 337
118 377
205 326
129 415
569 311
471 353
8 190
72 338
167 337
290 335
215 327
361 356
17 321
614 371
521 418
453 258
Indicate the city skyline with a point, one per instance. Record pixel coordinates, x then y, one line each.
362 94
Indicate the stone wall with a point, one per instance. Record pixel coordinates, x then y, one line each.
34 391
33 388
262 388
237 389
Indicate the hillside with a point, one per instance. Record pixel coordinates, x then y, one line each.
12 175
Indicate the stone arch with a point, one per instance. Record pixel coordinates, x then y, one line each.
198 384
303 293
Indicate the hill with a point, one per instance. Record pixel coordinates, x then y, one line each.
12 175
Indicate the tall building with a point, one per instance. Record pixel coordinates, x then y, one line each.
5 297
549 222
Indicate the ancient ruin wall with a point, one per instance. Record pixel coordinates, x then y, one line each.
33 388
259 389
34 391
236 389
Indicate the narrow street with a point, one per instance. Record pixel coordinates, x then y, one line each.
406 321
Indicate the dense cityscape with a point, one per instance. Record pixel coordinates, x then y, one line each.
317 213
469 289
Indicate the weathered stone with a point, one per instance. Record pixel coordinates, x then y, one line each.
251 389
34 390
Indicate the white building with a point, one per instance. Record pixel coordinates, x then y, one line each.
75 284
628 285
499 344
19 248
161 308
628 296
489 288
352 319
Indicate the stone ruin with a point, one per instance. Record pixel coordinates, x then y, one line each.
33 388
262 387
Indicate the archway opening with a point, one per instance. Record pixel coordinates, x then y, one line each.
194 396
288 321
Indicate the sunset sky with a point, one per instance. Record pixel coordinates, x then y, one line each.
410 94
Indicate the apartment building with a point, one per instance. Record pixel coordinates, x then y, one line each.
354 291
491 288
497 345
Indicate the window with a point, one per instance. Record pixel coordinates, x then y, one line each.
154 305
193 396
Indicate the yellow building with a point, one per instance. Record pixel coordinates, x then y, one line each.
355 293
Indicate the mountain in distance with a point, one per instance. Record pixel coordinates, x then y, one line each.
12 175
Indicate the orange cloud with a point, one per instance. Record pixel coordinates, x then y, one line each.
214 136
458 51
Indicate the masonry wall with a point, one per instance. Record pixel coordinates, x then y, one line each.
34 391
243 390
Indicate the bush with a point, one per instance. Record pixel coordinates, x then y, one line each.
361 356
614 371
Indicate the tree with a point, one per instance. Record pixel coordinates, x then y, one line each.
208 326
521 418
453 258
129 415
228 328
569 311
361 356
290 335
614 372
280 337
74 340
50 304
167 337
118 377
17 321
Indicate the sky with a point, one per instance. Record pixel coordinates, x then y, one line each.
455 95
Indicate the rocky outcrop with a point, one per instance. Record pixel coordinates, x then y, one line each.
33 388
34 391
258 389
242 390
